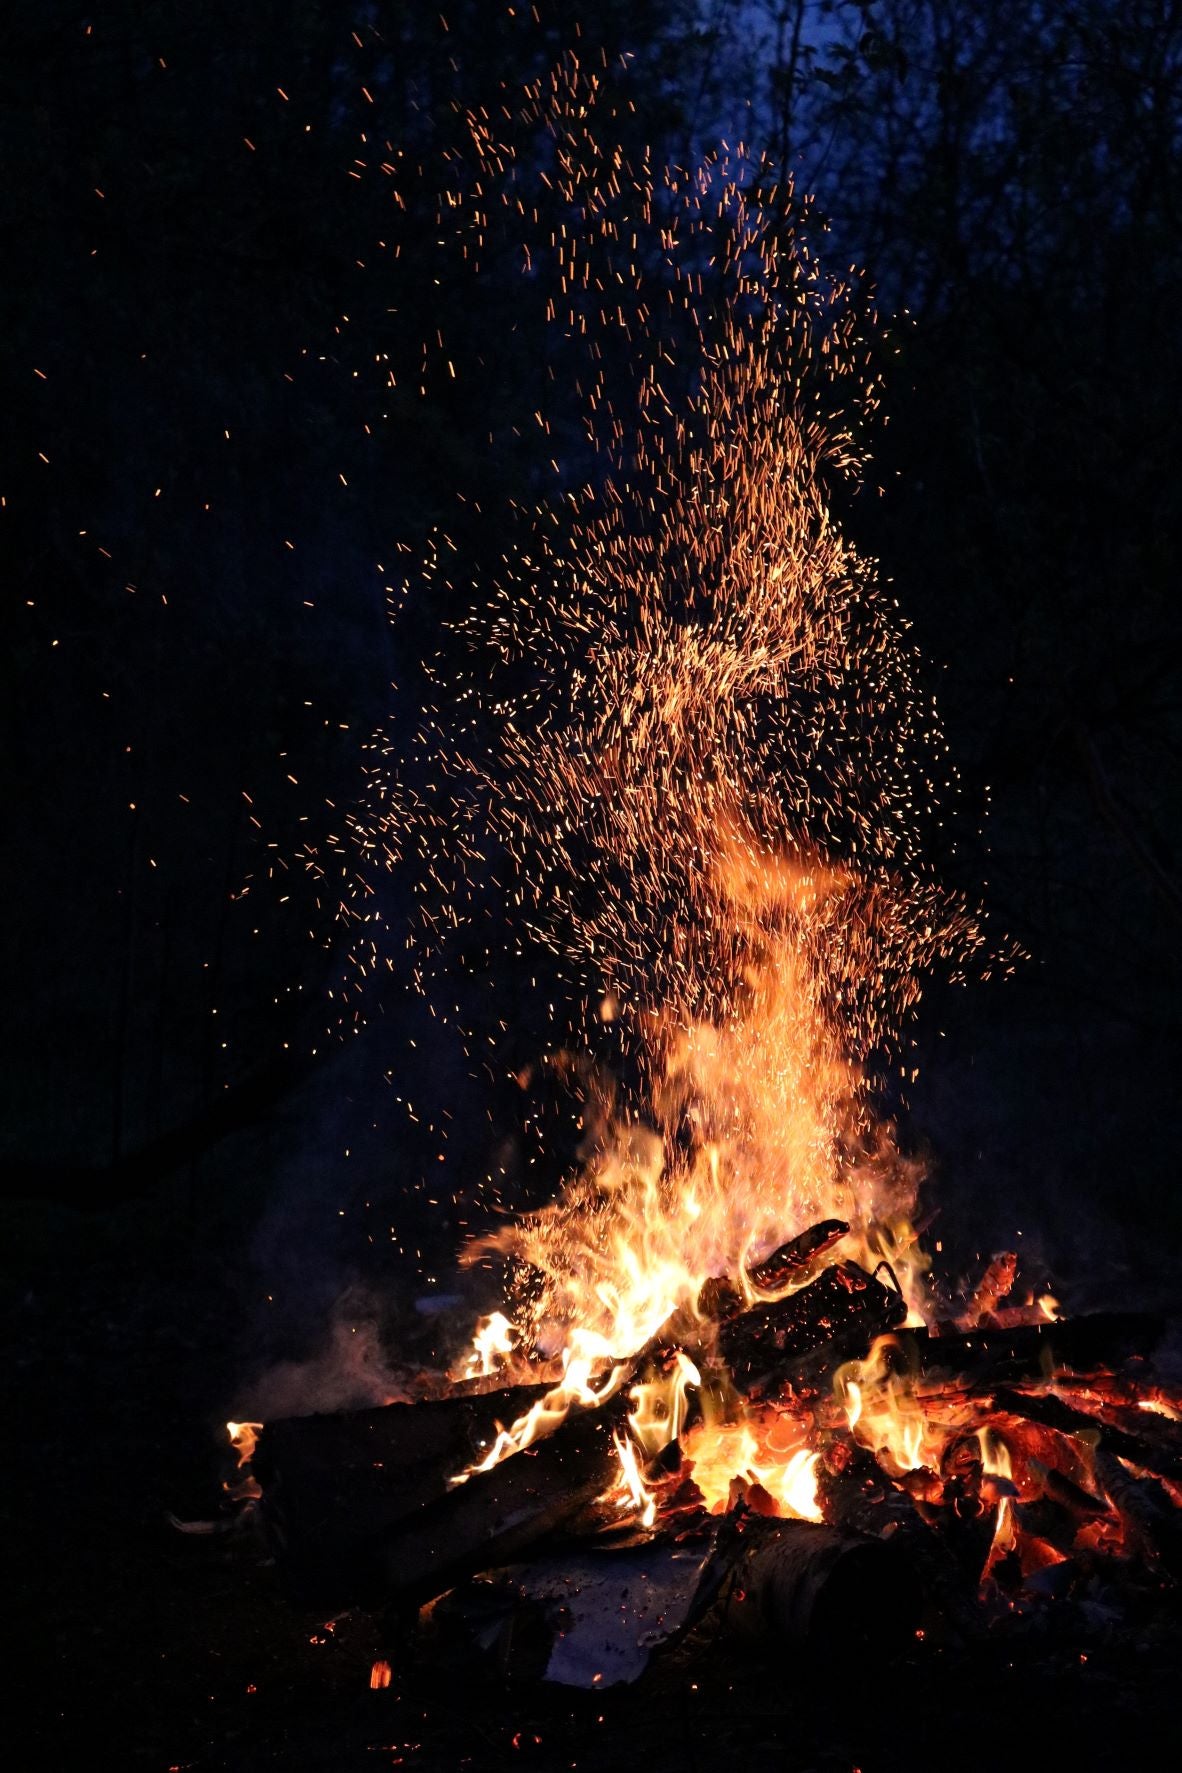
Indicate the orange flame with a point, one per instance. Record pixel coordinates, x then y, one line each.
885 1413
244 1438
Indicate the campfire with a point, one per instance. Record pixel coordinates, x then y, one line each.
721 1382
788 1458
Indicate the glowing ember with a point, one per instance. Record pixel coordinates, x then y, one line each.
772 1456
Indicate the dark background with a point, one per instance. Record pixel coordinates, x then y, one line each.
209 488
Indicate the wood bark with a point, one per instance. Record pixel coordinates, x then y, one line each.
800 1582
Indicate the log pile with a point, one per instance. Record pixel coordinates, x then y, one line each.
391 1507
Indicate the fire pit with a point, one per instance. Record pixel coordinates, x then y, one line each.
801 1467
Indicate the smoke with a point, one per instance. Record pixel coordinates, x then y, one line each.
350 1371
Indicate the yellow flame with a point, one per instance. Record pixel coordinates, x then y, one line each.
996 1462
633 1491
720 1452
659 1406
243 1438
543 1417
492 1343
885 1413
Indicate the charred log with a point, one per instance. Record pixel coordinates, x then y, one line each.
1079 1503
806 1336
855 1493
334 1485
720 1299
988 1356
798 1254
1146 1513
498 1515
1052 1412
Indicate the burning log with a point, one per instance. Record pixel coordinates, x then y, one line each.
1084 1344
798 1254
334 1485
811 1332
996 1284
720 1299
1071 1497
1149 1519
857 1496
1052 1412
396 1529
497 1515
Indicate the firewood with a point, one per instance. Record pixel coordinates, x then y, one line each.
1146 1513
496 1516
1052 1412
807 1335
1079 1503
996 1284
777 1270
333 1484
1084 1344
720 1298
799 1582
855 1492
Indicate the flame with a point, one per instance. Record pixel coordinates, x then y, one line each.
714 789
659 1406
779 1136
244 1438
492 1343
631 1488
885 1412
380 1675
996 1463
543 1417
721 1452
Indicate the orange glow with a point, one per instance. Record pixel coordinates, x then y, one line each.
1159 1407
380 1675
243 1438
885 1412
492 1344
772 1454
630 1490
